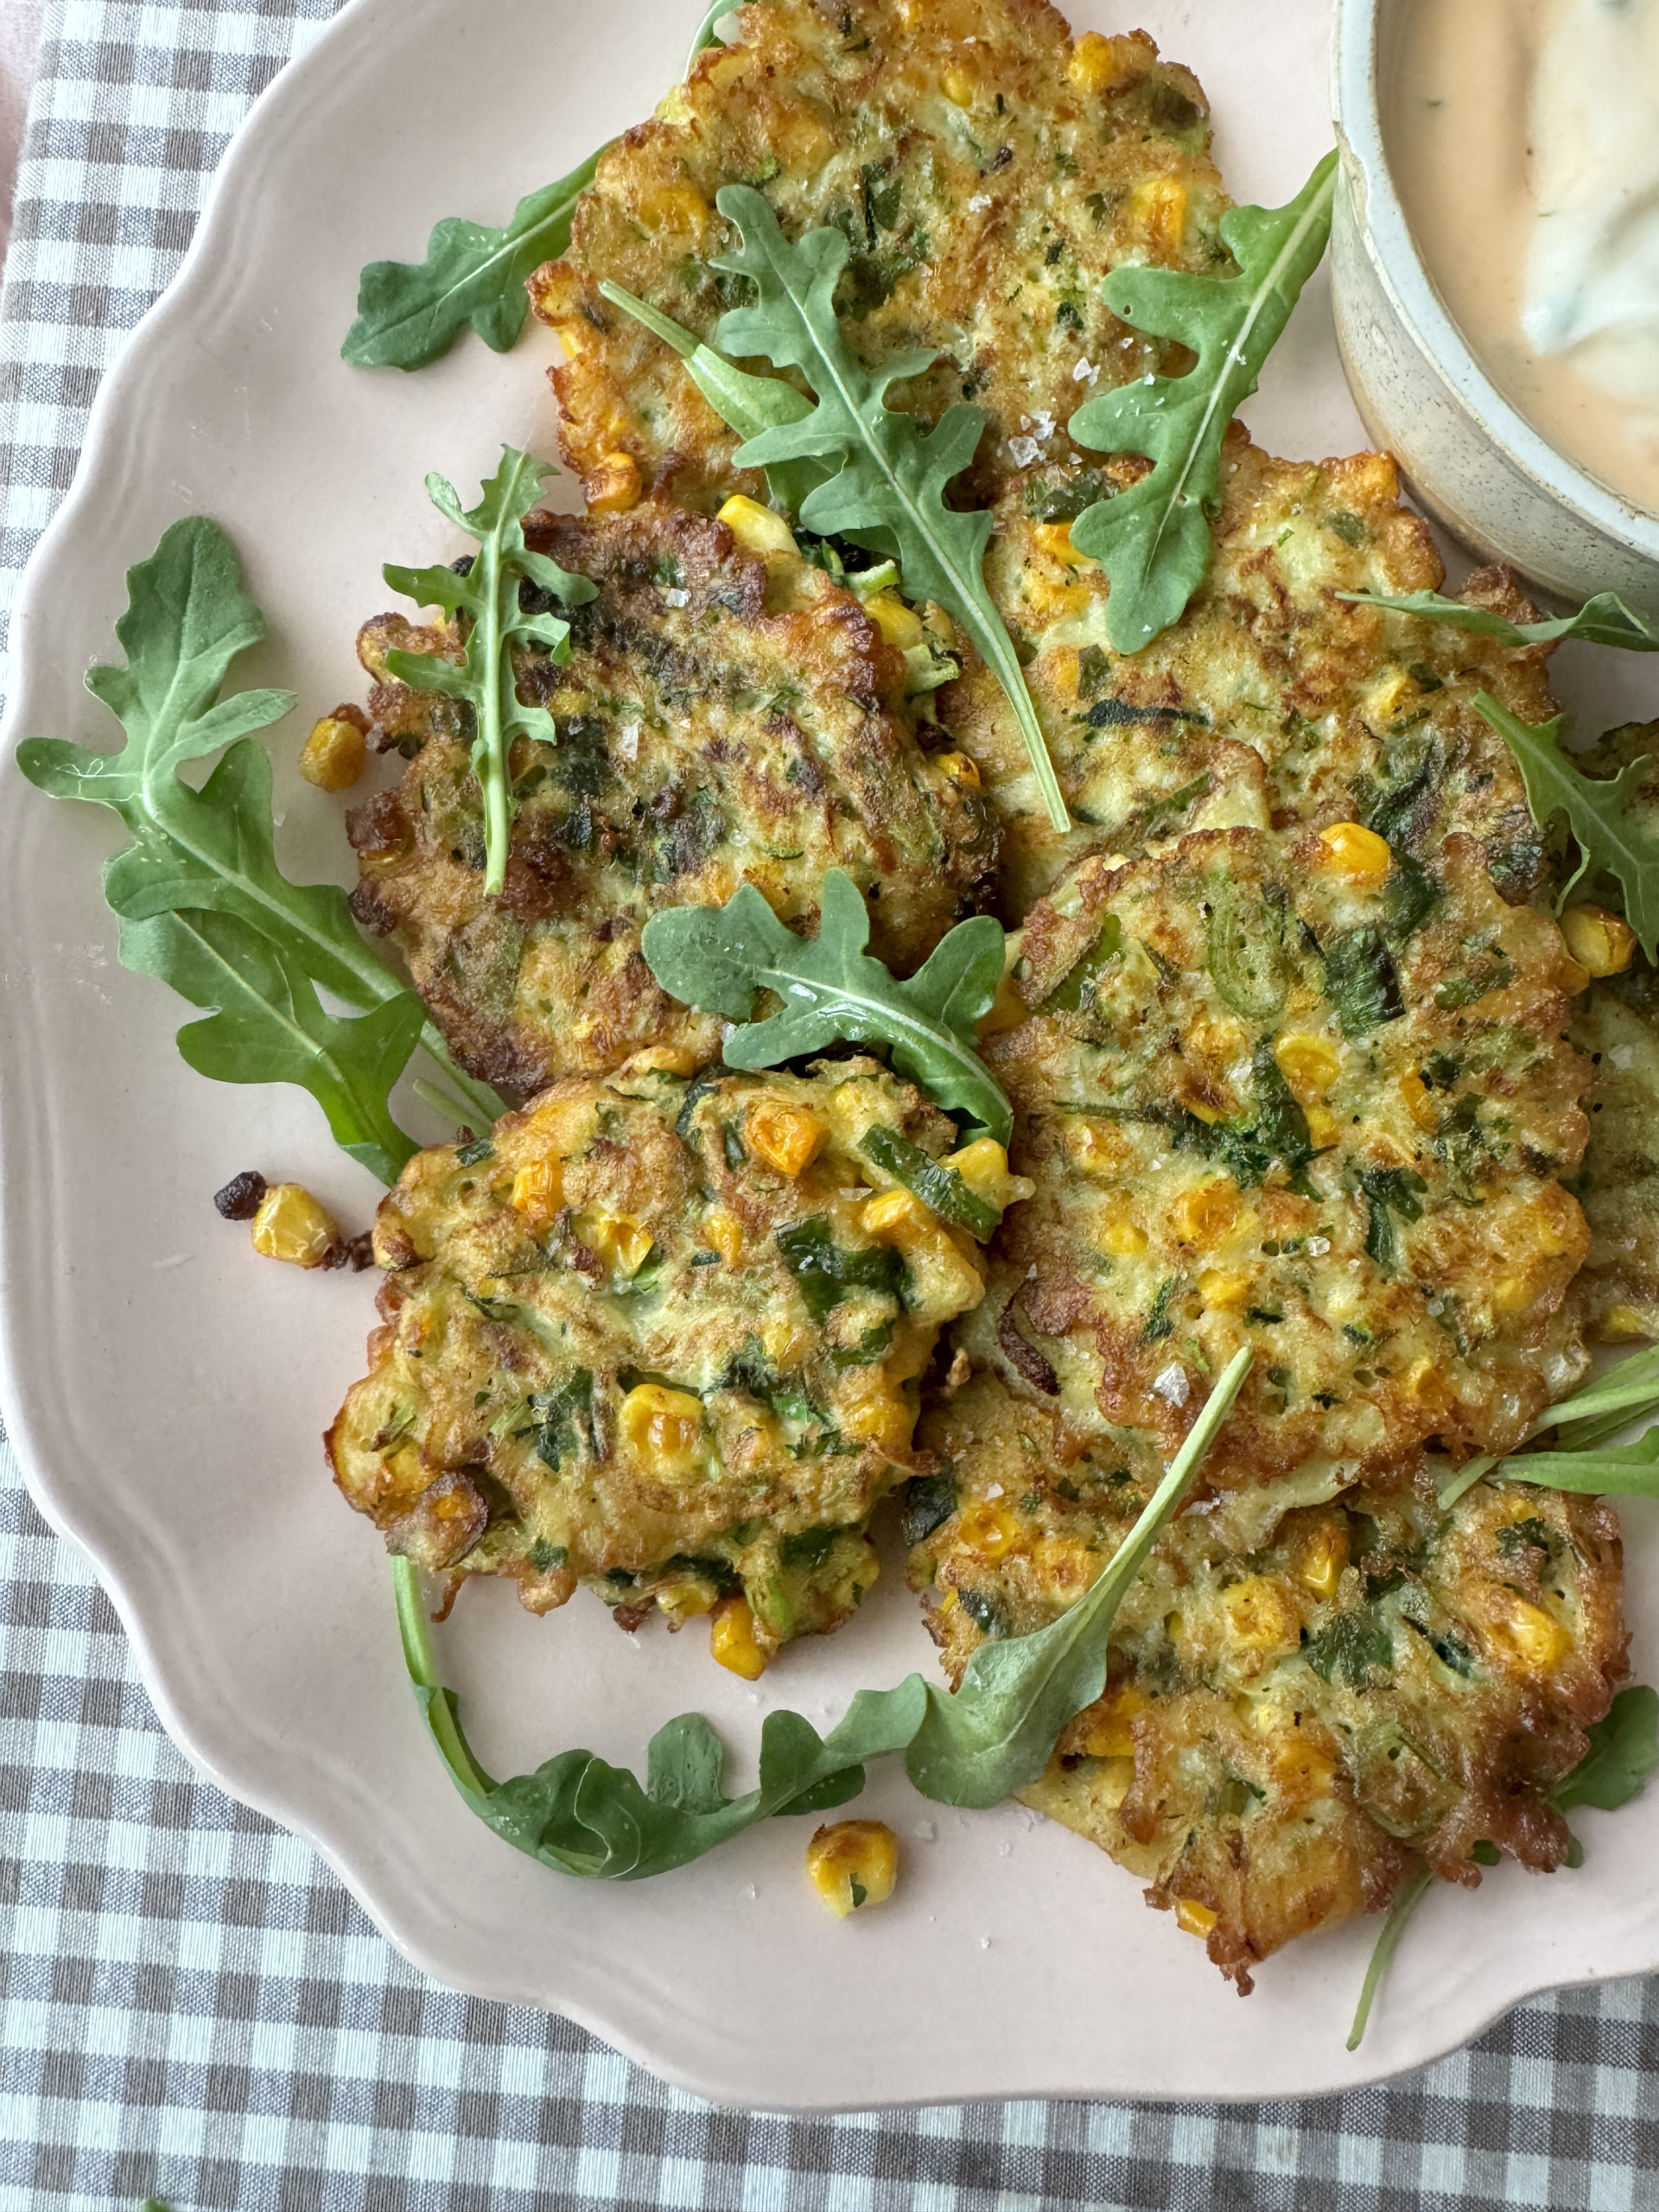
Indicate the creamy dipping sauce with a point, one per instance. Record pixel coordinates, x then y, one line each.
1524 136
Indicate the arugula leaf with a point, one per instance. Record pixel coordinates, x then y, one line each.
487 596
1602 620
202 903
1623 1393
886 488
973 1747
1408 1898
1608 835
827 1272
1153 539
717 958
1618 1470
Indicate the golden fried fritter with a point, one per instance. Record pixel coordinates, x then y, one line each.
1294 1091
663 1340
1616 1027
723 719
1306 1696
989 174
1272 702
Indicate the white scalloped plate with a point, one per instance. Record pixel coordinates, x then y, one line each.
166 1393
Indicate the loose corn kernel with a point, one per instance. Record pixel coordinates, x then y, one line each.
1309 1065
1203 1216
1224 1288
731 1640
1158 204
958 87
1120 1232
1261 1616
663 1427
614 487
983 1166
538 1189
620 1240
724 1234
1110 1733
1620 1323
900 625
1105 65
1055 539
292 1225
1420 1101
957 768
1324 1557
1193 1918
1601 942
333 756
1537 1640
1355 852
990 1529
756 529
786 1136
853 1863
893 1215
685 1601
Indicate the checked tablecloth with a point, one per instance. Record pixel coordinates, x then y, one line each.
191 2006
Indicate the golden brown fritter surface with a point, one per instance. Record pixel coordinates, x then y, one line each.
1305 1695
623 1345
1616 1027
1272 702
723 719
1270 1097
987 174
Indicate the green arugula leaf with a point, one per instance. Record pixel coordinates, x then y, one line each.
718 959
1623 1754
487 599
995 1734
886 486
1608 835
1621 1395
1602 620
1153 540
1617 1470
202 903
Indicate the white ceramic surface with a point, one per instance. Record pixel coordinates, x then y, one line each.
167 1392
1473 461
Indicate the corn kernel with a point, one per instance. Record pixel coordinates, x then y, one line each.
1533 1636
620 1240
990 1529
670 1059
1158 204
1055 539
786 1344
1324 1557
1261 1616
957 768
1193 1918
958 87
1097 1147
685 1601
853 1863
538 1190
1309 1065
1110 1733
756 529
1356 853
732 1640
1203 1216
291 1225
871 1411
786 1136
893 1215
900 625
1322 1125
1620 1323
1202 1110
333 756
724 1234
1424 1385
675 207
983 1166
1599 941
1105 65
1224 1288
614 487
1120 1232
663 1427
1420 1101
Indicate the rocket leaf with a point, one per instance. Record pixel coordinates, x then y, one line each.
976 1746
1153 539
1609 834
487 599
718 959
203 905
1602 620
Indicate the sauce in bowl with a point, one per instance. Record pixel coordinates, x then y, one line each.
1524 136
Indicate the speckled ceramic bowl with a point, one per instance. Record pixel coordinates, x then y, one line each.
1474 462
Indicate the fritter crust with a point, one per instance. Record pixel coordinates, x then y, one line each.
630 1236
1616 1027
723 719
1306 1696
1274 702
1264 1103
988 175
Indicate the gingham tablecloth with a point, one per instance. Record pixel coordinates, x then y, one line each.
191 2007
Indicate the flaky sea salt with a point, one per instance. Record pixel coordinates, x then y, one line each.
627 740
1172 1385
1025 450
677 598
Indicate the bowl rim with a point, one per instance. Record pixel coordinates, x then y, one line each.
1387 237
